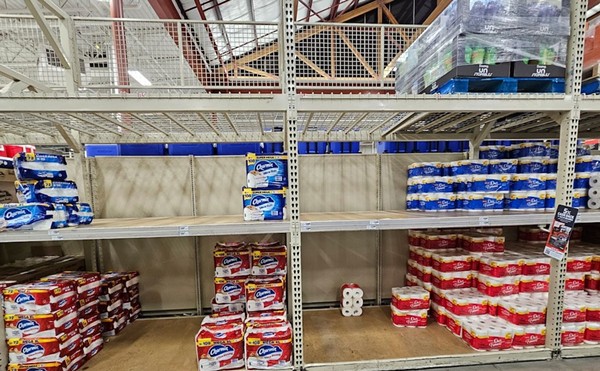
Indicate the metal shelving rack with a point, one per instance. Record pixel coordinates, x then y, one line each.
73 117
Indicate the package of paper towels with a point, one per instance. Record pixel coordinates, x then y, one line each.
39 166
48 191
267 204
266 171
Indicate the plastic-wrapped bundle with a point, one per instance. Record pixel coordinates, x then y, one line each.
30 166
58 192
27 216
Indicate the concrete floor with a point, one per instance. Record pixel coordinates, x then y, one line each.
580 364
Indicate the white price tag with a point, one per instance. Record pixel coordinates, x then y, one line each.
305 226
373 224
184 230
55 235
484 220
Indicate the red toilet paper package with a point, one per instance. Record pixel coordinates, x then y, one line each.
72 363
424 273
424 257
500 266
29 326
265 294
232 261
438 240
592 333
410 298
269 345
574 311
43 349
574 281
579 263
269 261
522 311
92 345
536 266
227 307
224 318
87 283
498 286
482 338
529 336
220 347
531 284
466 303
451 261
39 297
439 314
592 282
230 290
480 243
452 280
572 334
409 318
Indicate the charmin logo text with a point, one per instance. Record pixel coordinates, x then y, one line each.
264 294
268 262
263 202
28 327
232 261
24 299
232 289
15 214
267 168
32 351
221 352
268 351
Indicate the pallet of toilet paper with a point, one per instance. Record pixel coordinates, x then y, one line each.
265 193
498 300
522 177
47 200
248 326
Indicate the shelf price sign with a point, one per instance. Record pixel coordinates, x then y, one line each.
560 232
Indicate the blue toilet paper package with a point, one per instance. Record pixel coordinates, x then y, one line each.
551 181
438 202
412 185
26 216
266 171
412 202
550 200
47 191
39 166
526 200
489 183
491 152
26 191
552 151
437 184
580 198
461 183
528 182
587 164
425 169
493 201
552 166
264 204
532 149
530 165
60 216
514 151
509 166
470 201
85 214
468 167
582 181
583 152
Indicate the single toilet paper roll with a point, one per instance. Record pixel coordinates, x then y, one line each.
593 204
357 292
347 312
595 181
357 302
347 302
357 312
594 193
347 290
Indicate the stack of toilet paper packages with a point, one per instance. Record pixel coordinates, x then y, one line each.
119 301
47 200
351 300
264 196
249 325
410 306
524 181
486 297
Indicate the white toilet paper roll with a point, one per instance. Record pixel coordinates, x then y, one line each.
357 312
357 302
347 293
594 192
347 302
595 180
347 312
593 204
357 293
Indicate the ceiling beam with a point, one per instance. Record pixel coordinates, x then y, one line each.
441 6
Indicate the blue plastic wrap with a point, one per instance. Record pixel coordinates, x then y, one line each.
26 191
532 165
493 201
528 182
412 185
437 184
489 183
532 149
471 201
551 181
587 164
580 198
461 183
60 216
438 202
39 166
85 214
412 202
581 181
264 204
550 200
552 151
26 216
491 152
526 200
508 166
552 166
425 169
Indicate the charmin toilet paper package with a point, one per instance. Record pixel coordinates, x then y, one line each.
50 349
27 216
87 284
264 204
58 192
220 347
230 289
269 346
265 294
232 261
40 325
410 298
39 297
223 319
38 166
266 171
269 260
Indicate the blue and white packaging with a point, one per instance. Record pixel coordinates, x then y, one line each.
412 185
412 202
508 166
60 216
532 149
550 200
491 152
552 166
425 169
587 164
438 202
551 181
493 201
582 181
476 166
461 183
514 151
552 151
526 200
26 191
266 171
85 214
266 204
437 184
40 166
528 182
580 198
531 165
470 201
489 183
26 216
57 192
583 152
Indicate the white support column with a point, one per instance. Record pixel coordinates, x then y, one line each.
288 55
479 135
566 168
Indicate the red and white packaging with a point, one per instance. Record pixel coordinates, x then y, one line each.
535 235
592 313
223 319
522 311
451 261
230 290
466 303
351 291
479 243
265 294
266 316
438 296
269 260
454 323
424 257
414 238
227 307
483 337
413 251
269 345
112 288
109 310
498 286
596 263
531 284
439 314
411 280
232 261
30 326
73 363
536 266
424 273
409 318
87 283
410 298
592 333
572 334
529 336
575 281
92 345
592 282
220 347
451 280
112 326
39 297
493 305
412 267
574 311
91 328
52 349
438 240
500 266
579 263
